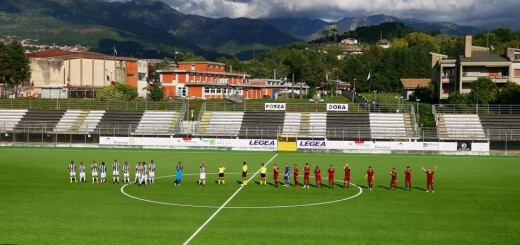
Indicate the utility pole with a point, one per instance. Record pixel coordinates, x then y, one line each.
292 92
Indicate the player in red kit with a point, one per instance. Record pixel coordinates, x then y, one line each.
306 175
317 176
429 178
346 180
296 171
276 172
393 180
370 176
331 176
408 178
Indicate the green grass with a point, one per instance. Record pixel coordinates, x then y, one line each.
476 201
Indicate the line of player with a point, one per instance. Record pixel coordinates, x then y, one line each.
144 173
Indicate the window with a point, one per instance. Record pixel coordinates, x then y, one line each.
181 91
141 76
517 72
517 56
206 90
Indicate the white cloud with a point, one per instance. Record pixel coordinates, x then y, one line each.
486 13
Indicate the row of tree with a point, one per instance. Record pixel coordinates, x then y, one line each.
484 92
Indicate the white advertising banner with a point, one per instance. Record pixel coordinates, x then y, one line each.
252 144
337 107
274 106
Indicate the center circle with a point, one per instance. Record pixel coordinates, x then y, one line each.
238 207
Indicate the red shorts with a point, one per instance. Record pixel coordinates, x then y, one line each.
347 178
370 179
393 182
408 180
429 182
318 178
296 177
275 177
306 177
331 178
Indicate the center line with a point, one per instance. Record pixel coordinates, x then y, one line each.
223 205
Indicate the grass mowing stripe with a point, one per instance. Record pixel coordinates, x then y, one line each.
223 205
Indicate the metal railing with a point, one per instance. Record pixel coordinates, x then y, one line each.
476 109
308 107
85 104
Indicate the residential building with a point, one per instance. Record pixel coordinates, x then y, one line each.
142 78
383 43
457 74
58 73
408 85
349 41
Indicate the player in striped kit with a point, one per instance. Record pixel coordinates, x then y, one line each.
82 178
202 176
115 172
103 170
151 172
144 174
94 168
72 170
138 173
126 173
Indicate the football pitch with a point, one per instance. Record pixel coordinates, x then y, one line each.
476 200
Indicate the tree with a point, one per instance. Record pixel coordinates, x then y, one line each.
156 92
334 30
483 91
15 67
458 99
510 94
326 32
425 94
117 92
420 39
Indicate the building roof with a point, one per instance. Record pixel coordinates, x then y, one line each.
201 62
49 53
412 83
482 56
66 54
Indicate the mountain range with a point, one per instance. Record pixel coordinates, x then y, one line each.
153 29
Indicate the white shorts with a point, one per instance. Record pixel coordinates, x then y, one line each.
103 175
137 176
72 174
126 175
82 175
94 174
151 174
202 175
115 172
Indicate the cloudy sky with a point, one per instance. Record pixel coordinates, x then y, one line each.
479 13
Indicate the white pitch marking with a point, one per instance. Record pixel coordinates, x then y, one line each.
223 205
242 207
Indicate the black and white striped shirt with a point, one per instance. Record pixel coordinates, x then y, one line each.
126 169
72 168
115 166
103 169
82 169
152 168
94 168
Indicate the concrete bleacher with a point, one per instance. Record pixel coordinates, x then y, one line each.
348 126
461 126
313 124
501 127
68 120
292 122
262 124
87 123
387 126
9 119
119 122
39 120
220 123
157 122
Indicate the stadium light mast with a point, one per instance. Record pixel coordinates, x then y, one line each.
316 103
418 115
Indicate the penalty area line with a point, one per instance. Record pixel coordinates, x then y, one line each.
224 205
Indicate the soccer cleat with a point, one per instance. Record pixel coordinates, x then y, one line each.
427 191
432 192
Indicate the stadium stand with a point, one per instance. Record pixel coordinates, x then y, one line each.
39 120
387 126
292 122
119 122
262 124
220 123
88 121
313 124
348 126
157 122
9 119
461 126
500 127
67 121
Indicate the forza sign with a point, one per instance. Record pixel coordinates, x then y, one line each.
274 106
